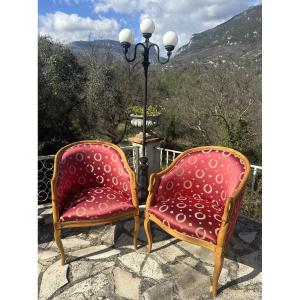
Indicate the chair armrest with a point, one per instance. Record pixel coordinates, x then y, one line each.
229 207
152 188
229 218
54 195
134 197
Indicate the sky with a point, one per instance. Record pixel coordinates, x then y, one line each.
73 20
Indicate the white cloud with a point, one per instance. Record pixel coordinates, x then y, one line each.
119 6
183 16
68 2
71 27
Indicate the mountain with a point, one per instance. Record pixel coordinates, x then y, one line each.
238 40
103 48
99 47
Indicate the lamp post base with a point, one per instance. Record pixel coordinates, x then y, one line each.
143 180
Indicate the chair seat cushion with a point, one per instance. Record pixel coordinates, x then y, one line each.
192 216
95 203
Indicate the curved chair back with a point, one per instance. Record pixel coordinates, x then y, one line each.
210 173
90 164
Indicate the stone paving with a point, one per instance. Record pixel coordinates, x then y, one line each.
102 264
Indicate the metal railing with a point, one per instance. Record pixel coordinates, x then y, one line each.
168 155
46 164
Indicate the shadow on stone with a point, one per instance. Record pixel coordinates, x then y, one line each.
248 255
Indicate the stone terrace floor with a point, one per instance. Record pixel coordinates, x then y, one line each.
102 264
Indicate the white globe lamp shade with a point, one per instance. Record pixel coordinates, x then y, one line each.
170 40
126 36
147 26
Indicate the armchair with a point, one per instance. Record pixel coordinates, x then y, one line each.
92 184
197 199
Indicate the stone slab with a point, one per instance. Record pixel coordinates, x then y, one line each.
124 241
248 237
190 261
40 267
244 294
95 252
248 275
48 220
166 252
129 225
101 266
224 276
191 284
126 285
152 269
80 270
253 259
46 254
48 245
97 285
162 291
74 243
133 261
109 235
46 212
142 264
53 278
199 252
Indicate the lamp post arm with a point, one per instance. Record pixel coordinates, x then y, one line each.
135 52
158 57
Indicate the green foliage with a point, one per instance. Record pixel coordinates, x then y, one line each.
106 105
252 205
215 106
198 104
60 82
152 110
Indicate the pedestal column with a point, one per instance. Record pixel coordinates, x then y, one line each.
152 159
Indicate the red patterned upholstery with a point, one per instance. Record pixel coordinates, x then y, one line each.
191 196
92 182
95 203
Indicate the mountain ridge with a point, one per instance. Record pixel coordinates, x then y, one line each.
237 39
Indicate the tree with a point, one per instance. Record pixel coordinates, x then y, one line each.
112 87
60 85
106 108
217 105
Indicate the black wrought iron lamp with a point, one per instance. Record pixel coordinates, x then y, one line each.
170 40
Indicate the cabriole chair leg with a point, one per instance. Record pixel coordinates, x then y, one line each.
148 232
57 234
219 258
136 230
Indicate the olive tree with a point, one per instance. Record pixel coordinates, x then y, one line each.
60 84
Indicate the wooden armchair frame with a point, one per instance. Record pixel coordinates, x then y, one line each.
59 225
221 248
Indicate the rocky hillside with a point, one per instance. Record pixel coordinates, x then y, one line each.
238 40
103 48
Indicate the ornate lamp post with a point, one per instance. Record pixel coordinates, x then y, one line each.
170 40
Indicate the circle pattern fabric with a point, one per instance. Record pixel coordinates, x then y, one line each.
203 181
196 218
91 166
90 204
